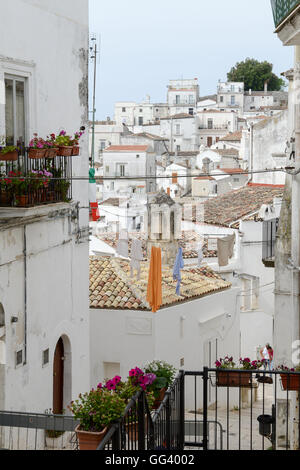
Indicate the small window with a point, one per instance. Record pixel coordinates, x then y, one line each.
141 110
141 121
19 358
123 110
45 357
221 99
236 180
137 156
15 125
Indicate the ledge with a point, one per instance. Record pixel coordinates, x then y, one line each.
36 211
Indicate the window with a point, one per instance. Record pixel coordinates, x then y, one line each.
177 99
210 123
141 121
174 178
191 99
123 110
15 125
107 170
221 99
178 148
177 129
236 180
19 357
45 357
121 170
232 100
191 111
141 110
270 228
250 292
102 144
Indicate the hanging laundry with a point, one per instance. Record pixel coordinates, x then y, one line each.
122 248
225 249
154 292
136 257
179 264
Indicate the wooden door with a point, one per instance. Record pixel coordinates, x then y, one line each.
209 141
58 378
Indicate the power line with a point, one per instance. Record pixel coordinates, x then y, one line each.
145 177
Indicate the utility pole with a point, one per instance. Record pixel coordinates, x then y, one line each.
94 56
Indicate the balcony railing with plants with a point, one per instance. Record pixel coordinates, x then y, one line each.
39 174
282 8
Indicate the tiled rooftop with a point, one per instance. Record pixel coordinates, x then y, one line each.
127 148
235 205
188 243
112 288
232 137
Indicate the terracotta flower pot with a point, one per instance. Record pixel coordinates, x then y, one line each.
76 150
9 157
290 382
35 154
22 201
233 379
5 198
158 400
90 440
65 151
51 153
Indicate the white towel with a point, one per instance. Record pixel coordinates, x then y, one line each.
136 257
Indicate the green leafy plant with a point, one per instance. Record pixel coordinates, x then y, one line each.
165 375
97 409
7 149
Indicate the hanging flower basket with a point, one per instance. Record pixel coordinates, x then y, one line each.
233 379
291 382
51 153
90 440
76 151
65 151
35 154
9 156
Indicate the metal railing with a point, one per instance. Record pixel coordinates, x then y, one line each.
282 8
31 182
32 431
143 429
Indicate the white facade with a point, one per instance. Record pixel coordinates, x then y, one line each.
214 124
44 250
138 114
131 161
183 95
231 95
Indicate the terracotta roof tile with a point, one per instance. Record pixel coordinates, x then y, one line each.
196 283
127 148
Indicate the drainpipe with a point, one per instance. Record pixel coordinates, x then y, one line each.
296 230
25 294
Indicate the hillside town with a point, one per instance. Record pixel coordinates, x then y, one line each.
149 262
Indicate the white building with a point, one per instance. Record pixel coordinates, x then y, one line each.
214 124
231 96
138 114
134 165
44 330
183 96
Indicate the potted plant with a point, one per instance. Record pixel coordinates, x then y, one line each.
227 378
37 148
6 190
290 382
8 153
75 142
96 410
51 147
64 143
165 375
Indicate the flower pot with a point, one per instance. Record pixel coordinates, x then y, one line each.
22 201
35 154
290 382
158 400
76 150
233 379
51 153
9 157
65 151
5 198
90 440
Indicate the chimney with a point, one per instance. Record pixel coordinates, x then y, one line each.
250 92
266 86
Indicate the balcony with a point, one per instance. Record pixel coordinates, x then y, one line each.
282 9
30 182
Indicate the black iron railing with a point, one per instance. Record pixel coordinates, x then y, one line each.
215 410
28 182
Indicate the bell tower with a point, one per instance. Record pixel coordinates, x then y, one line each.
164 226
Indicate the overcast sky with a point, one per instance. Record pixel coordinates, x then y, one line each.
146 43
